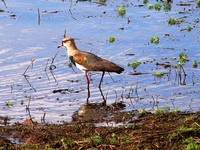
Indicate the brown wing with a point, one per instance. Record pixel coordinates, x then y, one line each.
94 63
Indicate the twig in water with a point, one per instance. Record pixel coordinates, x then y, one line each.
4 3
46 70
65 33
52 66
70 9
39 19
136 89
28 108
31 64
43 117
46 65
191 103
29 83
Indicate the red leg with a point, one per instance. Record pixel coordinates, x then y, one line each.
88 86
100 87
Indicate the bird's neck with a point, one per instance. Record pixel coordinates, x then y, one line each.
71 48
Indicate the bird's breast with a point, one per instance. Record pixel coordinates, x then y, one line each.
81 60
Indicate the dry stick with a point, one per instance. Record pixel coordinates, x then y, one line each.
28 109
115 96
70 9
43 117
191 103
24 74
136 89
4 3
29 84
46 69
11 88
51 67
46 65
39 16
54 58
65 33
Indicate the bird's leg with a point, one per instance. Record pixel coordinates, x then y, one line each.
88 86
100 87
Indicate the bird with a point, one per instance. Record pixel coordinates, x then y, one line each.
86 61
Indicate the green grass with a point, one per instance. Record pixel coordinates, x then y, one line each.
191 144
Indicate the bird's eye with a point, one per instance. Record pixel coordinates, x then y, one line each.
64 41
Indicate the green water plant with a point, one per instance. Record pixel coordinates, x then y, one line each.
22 102
121 10
69 64
183 58
159 74
181 61
194 64
188 28
134 64
102 1
150 6
145 1
157 7
198 3
167 6
111 39
154 40
10 103
172 21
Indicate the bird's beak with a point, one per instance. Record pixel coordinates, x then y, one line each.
60 45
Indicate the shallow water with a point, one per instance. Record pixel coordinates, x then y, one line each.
24 39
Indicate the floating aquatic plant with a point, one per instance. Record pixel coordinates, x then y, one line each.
145 1
157 7
194 64
167 6
174 21
150 6
198 3
134 64
121 10
112 39
159 74
154 40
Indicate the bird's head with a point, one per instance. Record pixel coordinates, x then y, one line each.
66 42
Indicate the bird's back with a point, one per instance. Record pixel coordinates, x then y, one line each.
94 63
